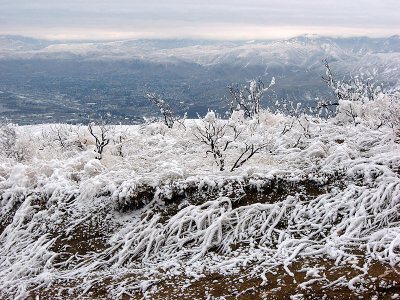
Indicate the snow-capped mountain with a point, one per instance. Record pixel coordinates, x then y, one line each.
300 51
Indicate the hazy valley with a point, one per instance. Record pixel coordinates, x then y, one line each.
45 81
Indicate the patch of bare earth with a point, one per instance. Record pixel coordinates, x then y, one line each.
331 282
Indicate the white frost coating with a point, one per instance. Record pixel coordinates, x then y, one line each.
56 191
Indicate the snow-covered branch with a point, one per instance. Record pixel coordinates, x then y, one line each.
352 95
248 98
212 133
168 115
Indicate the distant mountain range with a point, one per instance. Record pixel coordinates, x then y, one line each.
71 81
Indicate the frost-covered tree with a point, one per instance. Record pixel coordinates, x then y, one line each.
356 88
67 136
119 138
294 113
220 134
392 117
248 98
212 132
352 95
166 111
248 152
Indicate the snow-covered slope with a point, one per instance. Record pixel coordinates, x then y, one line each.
301 51
158 205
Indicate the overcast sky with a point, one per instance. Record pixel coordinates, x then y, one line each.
209 19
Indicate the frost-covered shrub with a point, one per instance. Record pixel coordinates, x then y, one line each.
392 118
155 128
168 115
8 142
129 196
236 137
382 110
212 132
294 113
68 137
355 97
118 141
323 108
248 98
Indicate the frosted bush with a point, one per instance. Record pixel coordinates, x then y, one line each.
248 98
9 144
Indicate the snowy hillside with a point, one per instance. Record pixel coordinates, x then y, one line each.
297 51
315 207
302 52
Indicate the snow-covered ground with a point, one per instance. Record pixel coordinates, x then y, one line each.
157 203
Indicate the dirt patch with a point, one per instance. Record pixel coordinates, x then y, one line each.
279 189
380 280
325 281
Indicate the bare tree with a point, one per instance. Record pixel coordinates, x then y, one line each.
248 98
100 133
166 111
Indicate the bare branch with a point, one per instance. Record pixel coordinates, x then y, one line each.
101 136
166 111
248 98
247 153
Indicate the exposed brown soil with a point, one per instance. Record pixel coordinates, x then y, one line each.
381 281
90 235
282 286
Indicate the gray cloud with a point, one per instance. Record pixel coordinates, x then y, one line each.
235 19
